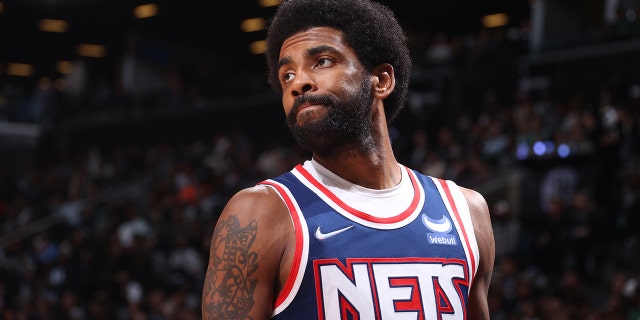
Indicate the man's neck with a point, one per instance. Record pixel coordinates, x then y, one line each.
373 171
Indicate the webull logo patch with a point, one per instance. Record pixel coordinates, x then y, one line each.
441 228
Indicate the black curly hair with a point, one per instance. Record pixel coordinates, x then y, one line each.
369 28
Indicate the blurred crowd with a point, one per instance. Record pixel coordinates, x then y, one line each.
123 232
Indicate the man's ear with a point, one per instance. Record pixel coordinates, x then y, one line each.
384 81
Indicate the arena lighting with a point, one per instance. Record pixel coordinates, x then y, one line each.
495 20
19 69
91 50
63 66
253 24
563 150
269 3
53 25
258 47
539 148
145 11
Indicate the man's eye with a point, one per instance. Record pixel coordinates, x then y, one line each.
286 77
324 62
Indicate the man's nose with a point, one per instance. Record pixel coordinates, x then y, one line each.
303 83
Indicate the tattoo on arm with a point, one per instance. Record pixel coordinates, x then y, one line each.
228 291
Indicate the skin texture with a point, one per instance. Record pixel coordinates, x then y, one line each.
253 243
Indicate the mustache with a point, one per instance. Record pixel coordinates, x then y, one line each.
324 100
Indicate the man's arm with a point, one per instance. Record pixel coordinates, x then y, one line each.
478 308
247 246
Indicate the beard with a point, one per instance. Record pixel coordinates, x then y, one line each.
345 129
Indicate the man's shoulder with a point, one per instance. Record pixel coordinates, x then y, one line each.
474 198
257 193
252 199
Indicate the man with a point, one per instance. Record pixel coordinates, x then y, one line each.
351 233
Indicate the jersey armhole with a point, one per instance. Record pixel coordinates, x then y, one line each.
294 280
458 207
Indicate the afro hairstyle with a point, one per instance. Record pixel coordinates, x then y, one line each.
369 28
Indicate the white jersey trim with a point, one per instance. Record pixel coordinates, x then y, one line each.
459 210
369 219
302 247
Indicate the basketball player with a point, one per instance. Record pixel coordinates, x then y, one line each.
350 233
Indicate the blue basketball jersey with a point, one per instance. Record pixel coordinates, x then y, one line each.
350 264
